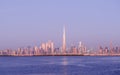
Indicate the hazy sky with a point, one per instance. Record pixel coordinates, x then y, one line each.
30 22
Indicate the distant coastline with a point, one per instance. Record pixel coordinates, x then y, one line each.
53 55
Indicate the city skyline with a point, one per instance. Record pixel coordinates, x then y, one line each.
48 49
29 23
64 45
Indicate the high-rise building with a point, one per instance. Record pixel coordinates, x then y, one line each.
80 47
52 47
64 41
43 46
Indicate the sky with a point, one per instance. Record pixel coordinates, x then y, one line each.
30 22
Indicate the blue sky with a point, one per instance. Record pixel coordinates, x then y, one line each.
31 22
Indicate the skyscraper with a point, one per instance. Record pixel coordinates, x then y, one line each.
64 41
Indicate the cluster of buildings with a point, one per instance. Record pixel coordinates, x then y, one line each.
108 51
45 49
48 48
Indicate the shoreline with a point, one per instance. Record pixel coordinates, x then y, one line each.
51 55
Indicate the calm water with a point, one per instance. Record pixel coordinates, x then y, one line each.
60 65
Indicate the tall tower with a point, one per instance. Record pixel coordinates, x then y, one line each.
64 41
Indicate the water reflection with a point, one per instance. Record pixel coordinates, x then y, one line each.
65 63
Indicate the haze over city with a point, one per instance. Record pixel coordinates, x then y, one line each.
59 37
28 23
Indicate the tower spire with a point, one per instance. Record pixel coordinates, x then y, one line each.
64 40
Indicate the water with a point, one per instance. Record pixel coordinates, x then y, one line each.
60 65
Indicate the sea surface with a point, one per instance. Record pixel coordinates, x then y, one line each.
60 65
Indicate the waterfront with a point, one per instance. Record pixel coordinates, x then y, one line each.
60 65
